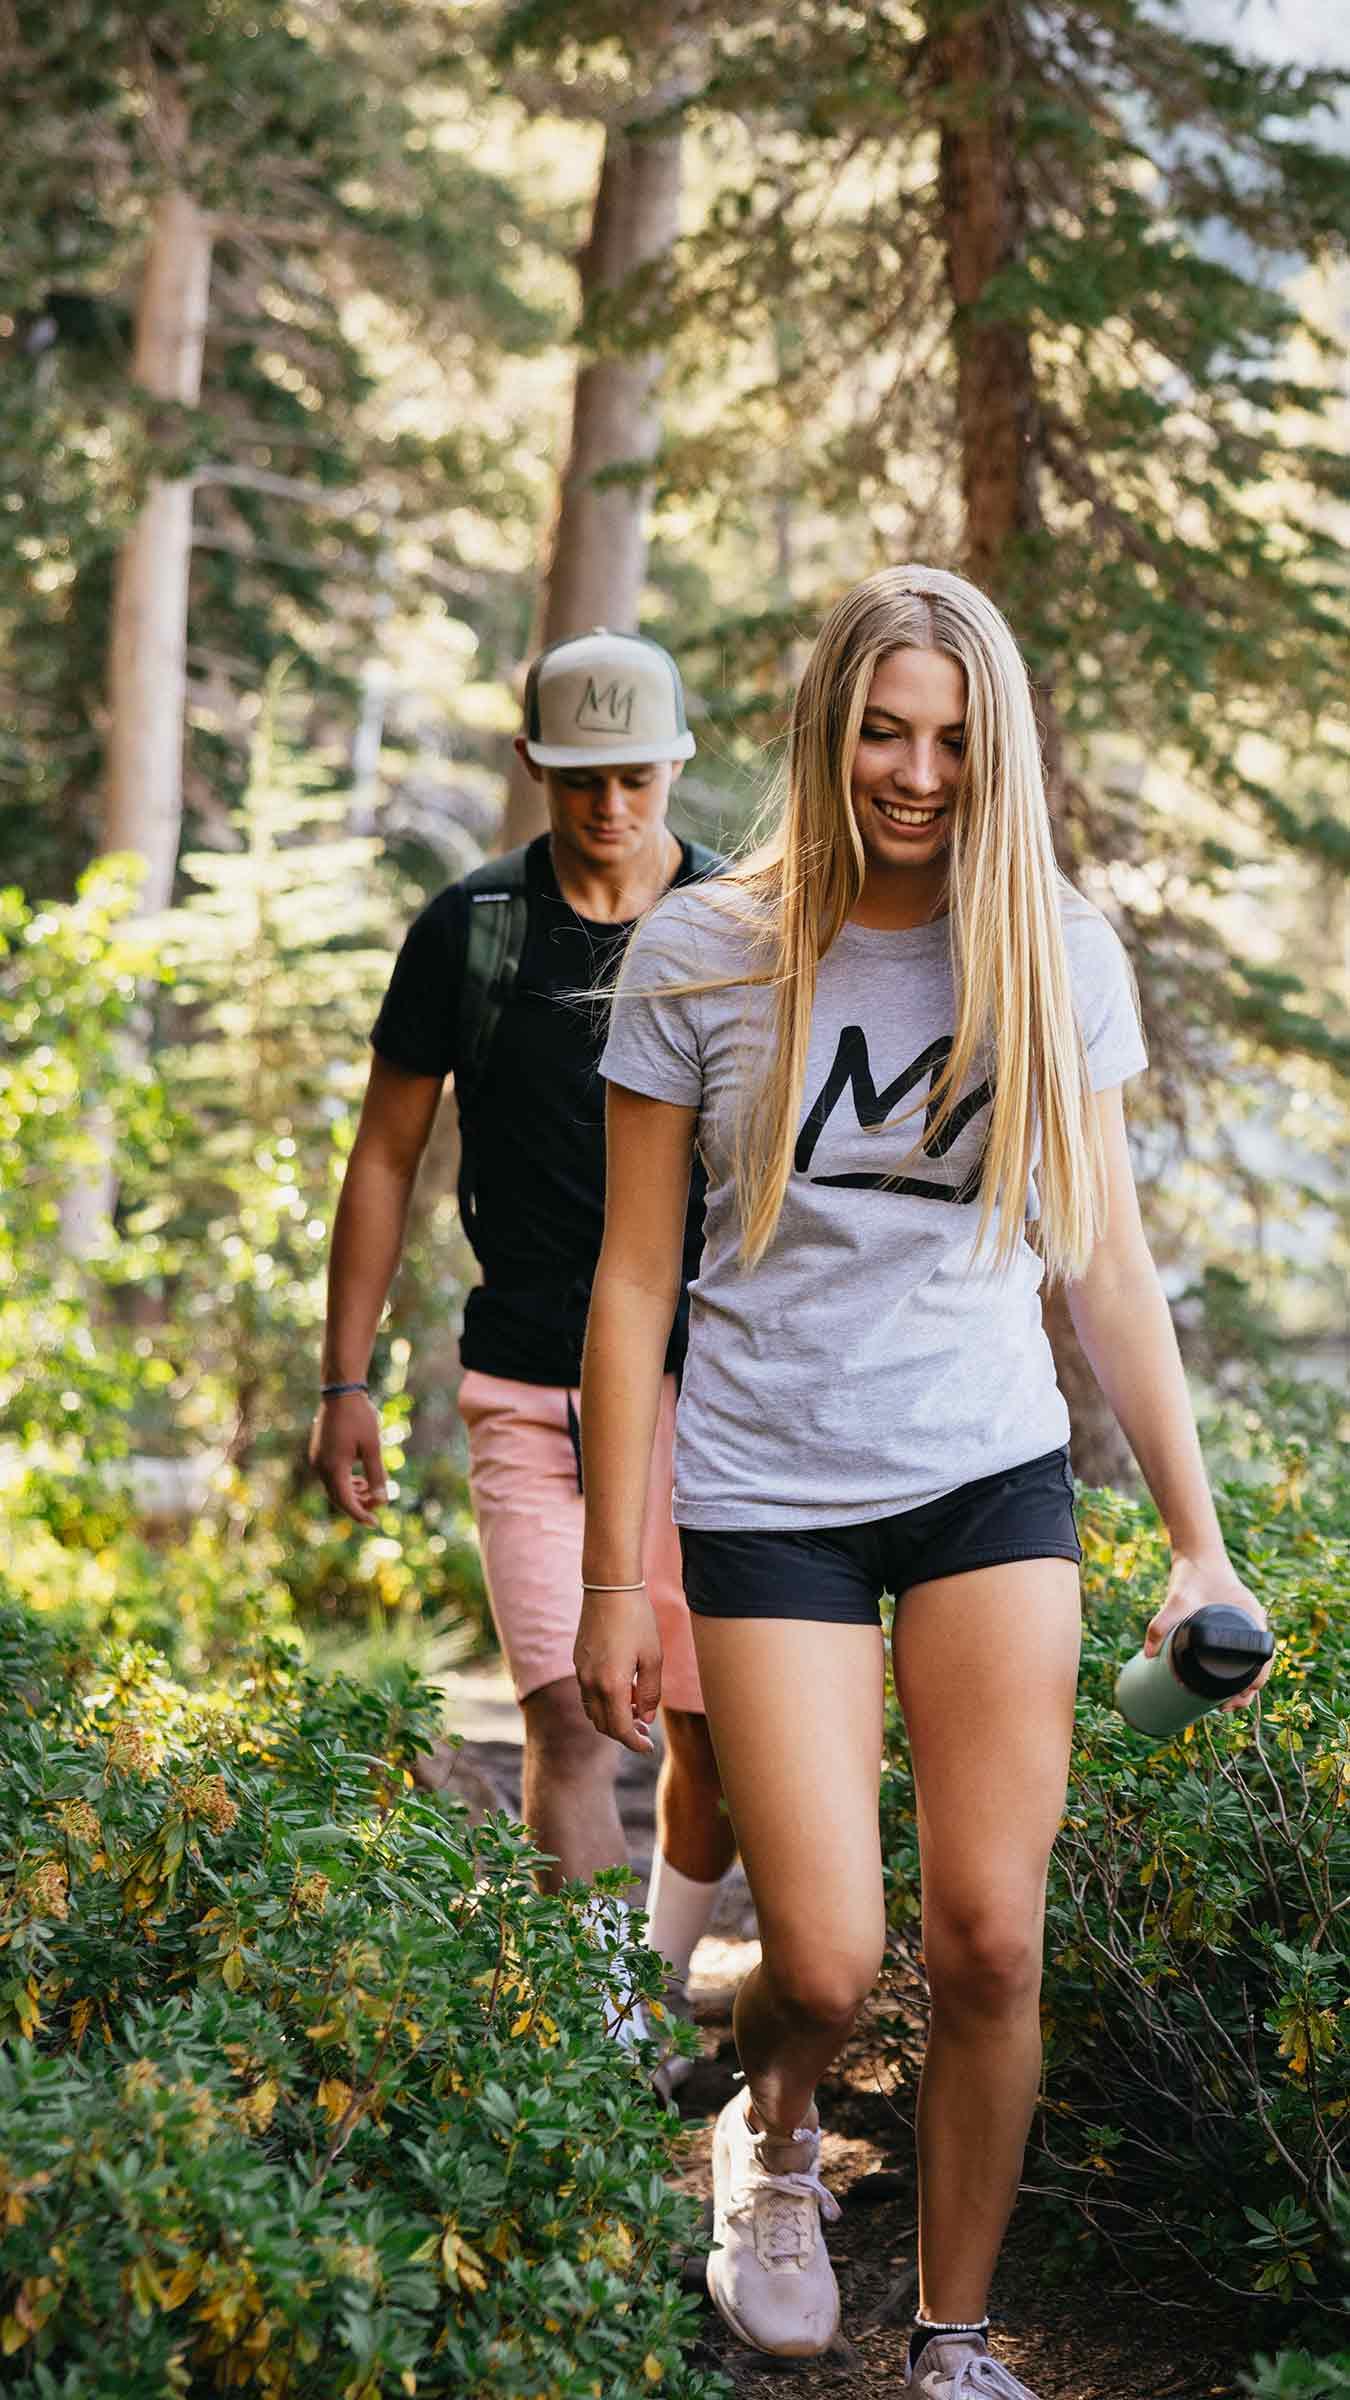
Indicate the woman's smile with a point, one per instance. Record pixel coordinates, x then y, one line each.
909 815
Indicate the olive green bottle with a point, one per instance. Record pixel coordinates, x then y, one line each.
1208 1657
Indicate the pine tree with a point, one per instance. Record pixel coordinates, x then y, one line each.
1038 267
319 154
1034 263
597 549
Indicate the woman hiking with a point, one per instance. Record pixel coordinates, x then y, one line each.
897 1038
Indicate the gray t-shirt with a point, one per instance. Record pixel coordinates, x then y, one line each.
869 1362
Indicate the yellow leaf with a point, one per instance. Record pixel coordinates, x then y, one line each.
461 2261
13 2335
521 2024
334 2096
146 2288
408 2380
181 2284
652 2368
259 2107
232 1973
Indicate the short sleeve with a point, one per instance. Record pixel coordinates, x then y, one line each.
653 1045
416 1026
1104 995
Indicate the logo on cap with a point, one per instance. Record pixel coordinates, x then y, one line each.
605 708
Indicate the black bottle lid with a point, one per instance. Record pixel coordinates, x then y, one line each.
1219 1651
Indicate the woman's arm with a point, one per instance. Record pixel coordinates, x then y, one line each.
1122 1319
649 1155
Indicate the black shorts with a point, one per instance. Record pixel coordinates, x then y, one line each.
837 1573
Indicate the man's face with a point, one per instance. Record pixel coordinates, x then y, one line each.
607 816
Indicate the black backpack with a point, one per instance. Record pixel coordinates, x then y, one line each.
498 924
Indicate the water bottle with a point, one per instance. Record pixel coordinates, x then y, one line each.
1207 1658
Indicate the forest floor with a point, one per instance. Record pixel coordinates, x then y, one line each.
1082 2334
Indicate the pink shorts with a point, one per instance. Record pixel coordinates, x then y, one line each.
525 1485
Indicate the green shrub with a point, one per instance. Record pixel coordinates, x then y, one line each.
74 1546
306 2089
1197 1991
1304 2374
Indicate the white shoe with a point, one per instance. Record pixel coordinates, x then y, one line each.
770 2274
957 2366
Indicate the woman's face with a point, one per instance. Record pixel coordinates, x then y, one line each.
908 761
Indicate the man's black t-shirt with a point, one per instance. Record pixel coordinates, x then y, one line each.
532 1179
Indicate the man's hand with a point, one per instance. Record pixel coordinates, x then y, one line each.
618 1663
345 1447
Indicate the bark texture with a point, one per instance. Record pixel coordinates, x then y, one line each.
598 552
983 231
147 667
143 783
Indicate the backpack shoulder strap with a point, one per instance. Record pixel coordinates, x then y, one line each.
494 946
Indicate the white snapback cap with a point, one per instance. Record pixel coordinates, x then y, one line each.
605 699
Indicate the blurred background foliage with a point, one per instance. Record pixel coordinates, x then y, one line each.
397 197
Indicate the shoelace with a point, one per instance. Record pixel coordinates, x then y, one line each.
982 2378
788 2227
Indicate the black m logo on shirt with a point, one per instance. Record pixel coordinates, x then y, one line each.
852 1070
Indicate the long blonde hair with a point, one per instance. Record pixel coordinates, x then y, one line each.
1014 998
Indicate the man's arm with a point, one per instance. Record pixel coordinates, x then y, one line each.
396 1118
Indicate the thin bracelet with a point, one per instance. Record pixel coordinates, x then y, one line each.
334 1391
930 2326
616 1587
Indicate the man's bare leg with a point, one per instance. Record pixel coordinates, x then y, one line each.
567 1795
693 1829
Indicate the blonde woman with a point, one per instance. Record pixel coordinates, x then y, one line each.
898 1040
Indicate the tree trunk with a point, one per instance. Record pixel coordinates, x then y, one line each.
143 786
147 678
983 228
599 547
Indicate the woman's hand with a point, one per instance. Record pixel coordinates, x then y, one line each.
1202 1583
618 1663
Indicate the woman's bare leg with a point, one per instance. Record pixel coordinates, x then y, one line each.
985 1666
795 1712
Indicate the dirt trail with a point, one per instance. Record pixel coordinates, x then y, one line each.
1091 2338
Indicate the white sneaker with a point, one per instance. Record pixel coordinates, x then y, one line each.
957 2366
770 2274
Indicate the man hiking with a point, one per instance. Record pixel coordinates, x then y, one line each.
490 988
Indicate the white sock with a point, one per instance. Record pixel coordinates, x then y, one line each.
678 1910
